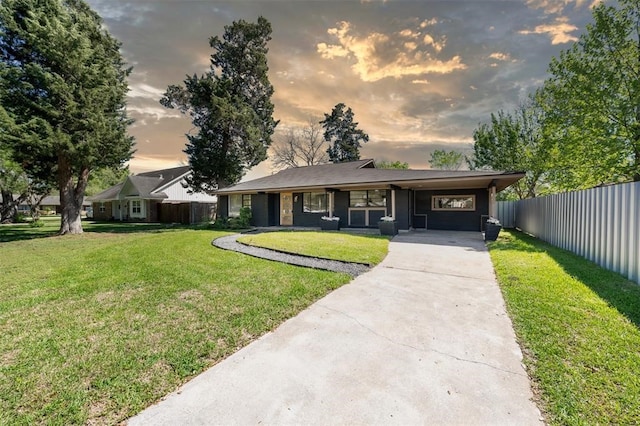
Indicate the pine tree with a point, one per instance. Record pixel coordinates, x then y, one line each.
230 105
343 135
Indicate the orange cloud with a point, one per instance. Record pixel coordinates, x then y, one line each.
558 6
500 56
379 56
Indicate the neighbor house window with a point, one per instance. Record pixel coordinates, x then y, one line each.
454 202
314 202
236 202
371 198
136 207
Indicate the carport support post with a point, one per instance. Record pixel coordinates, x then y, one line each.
492 201
393 204
330 204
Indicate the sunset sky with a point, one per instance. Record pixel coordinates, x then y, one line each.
419 75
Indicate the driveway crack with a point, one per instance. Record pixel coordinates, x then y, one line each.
390 340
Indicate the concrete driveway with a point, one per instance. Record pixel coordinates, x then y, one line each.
423 338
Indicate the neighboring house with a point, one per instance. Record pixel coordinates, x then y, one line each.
158 196
49 205
360 195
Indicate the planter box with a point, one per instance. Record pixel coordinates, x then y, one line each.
330 225
388 228
491 232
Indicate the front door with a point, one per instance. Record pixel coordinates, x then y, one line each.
286 209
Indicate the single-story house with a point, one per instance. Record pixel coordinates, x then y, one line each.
49 204
360 194
157 196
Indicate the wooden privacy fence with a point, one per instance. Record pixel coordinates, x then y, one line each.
600 224
186 213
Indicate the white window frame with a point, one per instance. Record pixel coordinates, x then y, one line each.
136 205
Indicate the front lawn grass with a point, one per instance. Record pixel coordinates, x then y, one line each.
579 327
358 248
96 327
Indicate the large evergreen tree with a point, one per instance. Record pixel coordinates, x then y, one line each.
230 105
592 100
343 134
63 88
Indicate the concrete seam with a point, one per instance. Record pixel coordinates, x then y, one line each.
416 348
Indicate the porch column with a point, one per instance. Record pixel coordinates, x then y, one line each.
492 201
330 204
393 204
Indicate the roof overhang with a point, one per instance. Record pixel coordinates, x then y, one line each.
468 182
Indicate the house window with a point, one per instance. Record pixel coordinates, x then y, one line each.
236 202
102 208
454 202
136 207
371 198
314 202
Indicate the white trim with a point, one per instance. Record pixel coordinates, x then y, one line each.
366 211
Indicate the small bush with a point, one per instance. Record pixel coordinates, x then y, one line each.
37 223
243 221
22 218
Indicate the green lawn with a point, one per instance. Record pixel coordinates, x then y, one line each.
579 326
360 248
96 327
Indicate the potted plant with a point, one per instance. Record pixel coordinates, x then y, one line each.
330 223
492 229
388 226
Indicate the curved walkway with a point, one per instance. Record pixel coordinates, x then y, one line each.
230 242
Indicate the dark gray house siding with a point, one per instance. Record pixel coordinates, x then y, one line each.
450 220
223 206
403 210
300 218
413 209
260 210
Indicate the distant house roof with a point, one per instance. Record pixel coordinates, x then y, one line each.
363 174
49 200
148 184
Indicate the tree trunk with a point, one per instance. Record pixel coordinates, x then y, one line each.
9 208
71 197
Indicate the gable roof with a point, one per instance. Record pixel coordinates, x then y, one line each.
361 174
147 184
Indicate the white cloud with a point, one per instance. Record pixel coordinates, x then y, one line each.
559 31
152 112
142 90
